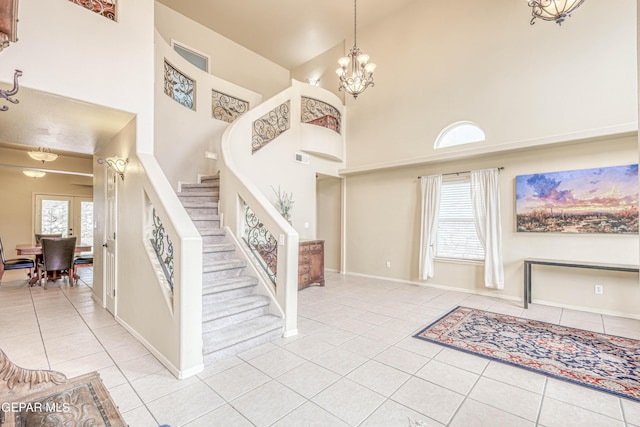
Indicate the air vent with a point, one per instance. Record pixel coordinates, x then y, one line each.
302 158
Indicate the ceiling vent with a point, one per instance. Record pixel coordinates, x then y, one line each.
302 158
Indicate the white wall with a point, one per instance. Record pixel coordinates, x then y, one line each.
274 165
229 60
482 61
70 51
383 217
184 135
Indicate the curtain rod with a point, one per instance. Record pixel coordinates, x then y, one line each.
461 172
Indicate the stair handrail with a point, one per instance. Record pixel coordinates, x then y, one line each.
236 187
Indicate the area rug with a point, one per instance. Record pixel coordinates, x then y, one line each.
42 398
603 362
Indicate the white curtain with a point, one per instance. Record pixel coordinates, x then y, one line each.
485 198
430 187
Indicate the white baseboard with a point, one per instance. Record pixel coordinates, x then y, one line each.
173 369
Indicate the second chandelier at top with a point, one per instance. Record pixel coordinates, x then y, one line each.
361 76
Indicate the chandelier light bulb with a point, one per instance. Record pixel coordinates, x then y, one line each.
33 173
363 58
370 67
553 10
344 61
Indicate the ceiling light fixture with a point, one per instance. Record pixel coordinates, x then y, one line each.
553 10
118 164
43 154
33 173
361 69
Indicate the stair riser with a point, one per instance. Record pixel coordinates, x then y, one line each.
202 224
209 179
227 295
234 319
213 356
199 189
209 257
202 211
222 274
199 199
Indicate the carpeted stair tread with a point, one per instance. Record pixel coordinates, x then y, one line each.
233 335
212 232
198 204
204 216
205 186
222 285
233 306
190 194
221 247
224 264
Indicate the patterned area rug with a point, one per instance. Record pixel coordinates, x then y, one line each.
604 362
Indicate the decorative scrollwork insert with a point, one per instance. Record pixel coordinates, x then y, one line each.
106 8
226 107
320 113
163 247
262 244
178 86
270 126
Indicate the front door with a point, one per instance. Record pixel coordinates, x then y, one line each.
110 260
65 215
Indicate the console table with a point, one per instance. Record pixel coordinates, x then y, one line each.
573 264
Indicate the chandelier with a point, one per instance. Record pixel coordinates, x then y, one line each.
43 154
361 76
553 10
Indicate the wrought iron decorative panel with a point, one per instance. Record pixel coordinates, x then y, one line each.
106 8
226 107
320 113
262 244
270 126
163 247
178 86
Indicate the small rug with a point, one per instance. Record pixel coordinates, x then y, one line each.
603 362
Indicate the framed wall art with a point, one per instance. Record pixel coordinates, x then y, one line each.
599 200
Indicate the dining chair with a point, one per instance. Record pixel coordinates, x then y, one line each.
40 236
15 263
81 261
57 257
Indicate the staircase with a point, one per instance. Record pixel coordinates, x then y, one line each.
234 316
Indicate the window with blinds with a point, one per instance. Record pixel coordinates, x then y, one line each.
457 237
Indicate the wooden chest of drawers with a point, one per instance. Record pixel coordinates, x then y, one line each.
310 263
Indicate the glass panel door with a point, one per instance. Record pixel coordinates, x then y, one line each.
53 215
66 215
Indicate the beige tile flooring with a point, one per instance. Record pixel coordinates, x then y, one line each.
353 363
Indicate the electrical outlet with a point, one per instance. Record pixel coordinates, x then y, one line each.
599 289
388 265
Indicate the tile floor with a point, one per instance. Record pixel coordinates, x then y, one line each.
354 363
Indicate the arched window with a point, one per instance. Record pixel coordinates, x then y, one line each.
459 133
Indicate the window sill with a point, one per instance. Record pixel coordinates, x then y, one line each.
479 262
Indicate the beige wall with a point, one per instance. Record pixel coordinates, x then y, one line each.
329 206
521 83
383 224
17 194
229 60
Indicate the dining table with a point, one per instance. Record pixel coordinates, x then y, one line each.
33 249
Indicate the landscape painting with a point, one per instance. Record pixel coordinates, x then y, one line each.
599 200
